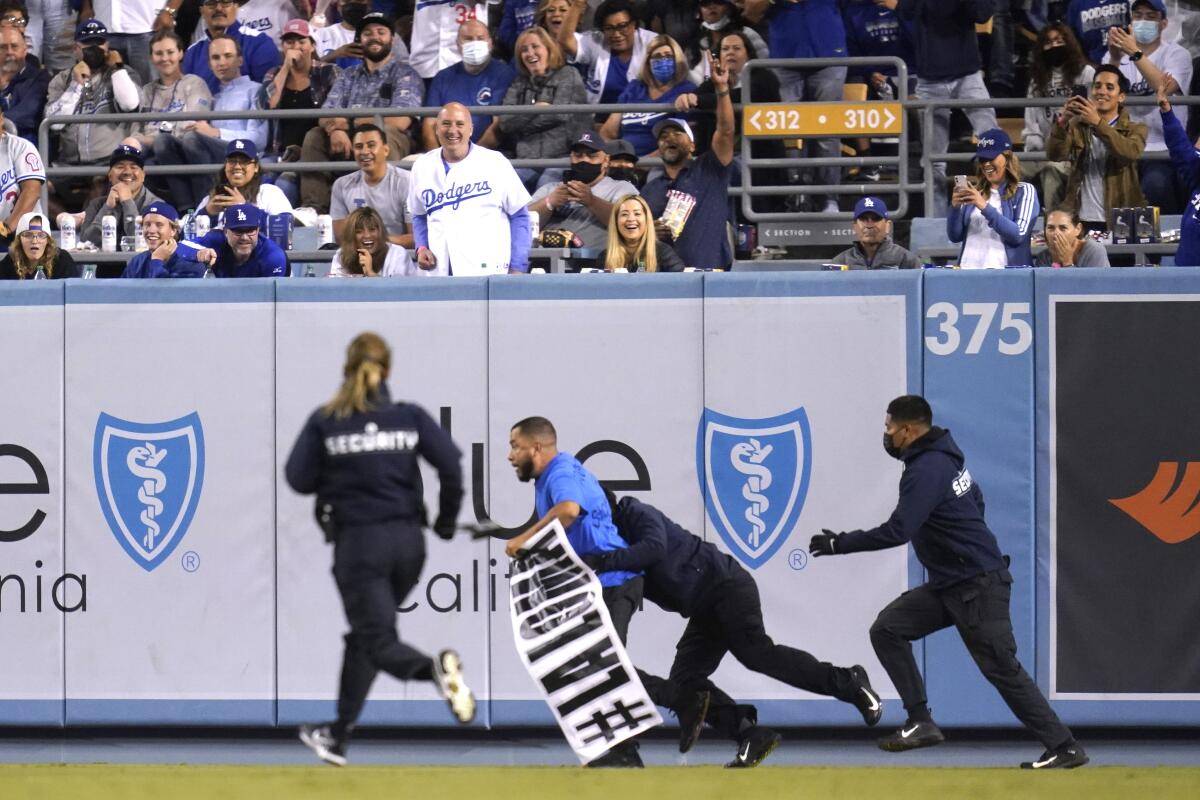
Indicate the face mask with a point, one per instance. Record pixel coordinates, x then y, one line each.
353 14
1055 56
624 174
889 446
716 26
94 57
475 53
663 69
585 171
1145 30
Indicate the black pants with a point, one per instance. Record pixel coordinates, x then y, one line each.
978 608
375 567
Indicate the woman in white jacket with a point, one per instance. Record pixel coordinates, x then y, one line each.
240 181
366 252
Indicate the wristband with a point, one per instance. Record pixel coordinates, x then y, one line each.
723 94
174 12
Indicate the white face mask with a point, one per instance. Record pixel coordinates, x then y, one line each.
475 53
716 26
1145 30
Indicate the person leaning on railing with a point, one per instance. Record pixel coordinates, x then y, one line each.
1187 163
1066 243
364 249
662 79
993 212
632 244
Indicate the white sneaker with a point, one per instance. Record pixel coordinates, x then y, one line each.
320 740
831 207
447 674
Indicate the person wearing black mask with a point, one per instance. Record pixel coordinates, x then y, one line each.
581 204
622 163
1057 68
940 511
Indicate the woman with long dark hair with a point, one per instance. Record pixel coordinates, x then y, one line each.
992 213
239 181
365 250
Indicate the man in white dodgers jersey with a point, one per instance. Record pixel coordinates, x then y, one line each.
467 205
21 177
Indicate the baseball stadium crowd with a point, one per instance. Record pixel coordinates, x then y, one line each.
637 190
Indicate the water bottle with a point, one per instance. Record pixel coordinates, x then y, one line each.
324 230
66 231
202 225
208 272
40 275
108 233
535 228
189 226
139 235
89 271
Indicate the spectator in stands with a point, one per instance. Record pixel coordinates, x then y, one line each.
873 247
383 80
239 250
166 255
611 55
467 205
1186 160
171 93
130 24
702 182
337 43
259 53
127 196
1091 20
993 212
241 181
679 19
99 83
33 248
1058 68
209 142
365 249
301 82
435 30
622 162
542 80
662 78
1096 135
269 16
477 80
27 175
1066 244
23 83
517 17
948 67
1143 57
551 16
812 29
631 244
582 204
717 19
378 184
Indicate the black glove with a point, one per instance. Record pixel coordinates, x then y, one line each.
445 529
824 543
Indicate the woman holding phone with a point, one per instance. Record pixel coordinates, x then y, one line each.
992 213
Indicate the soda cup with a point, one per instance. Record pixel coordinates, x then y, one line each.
66 231
324 230
202 224
108 233
279 230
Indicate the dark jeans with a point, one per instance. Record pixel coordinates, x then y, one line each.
1160 184
375 567
978 608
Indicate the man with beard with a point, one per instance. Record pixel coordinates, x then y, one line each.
583 202
259 52
127 196
240 250
23 83
379 184
703 239
383 81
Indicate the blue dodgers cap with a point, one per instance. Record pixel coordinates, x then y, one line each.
162 209
589 140
870 205
127 152
242 147
1157 5
242 217
991 144
91 30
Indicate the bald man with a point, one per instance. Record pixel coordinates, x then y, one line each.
477 80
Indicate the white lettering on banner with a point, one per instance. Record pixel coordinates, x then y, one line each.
948 340
1103 16
371 440
568 644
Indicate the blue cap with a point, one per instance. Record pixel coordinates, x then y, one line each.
991 144
91 30
1157 5
870 205
242 147
127 152
589 140
243 216
163 210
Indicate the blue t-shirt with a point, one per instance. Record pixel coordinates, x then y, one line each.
637 127
267 260
703 242
617 80
455 84
564 478
812 29
873 30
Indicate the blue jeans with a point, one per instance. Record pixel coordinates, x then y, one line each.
825 85
192 148
968 87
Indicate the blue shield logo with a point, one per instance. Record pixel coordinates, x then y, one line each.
754 477
148 479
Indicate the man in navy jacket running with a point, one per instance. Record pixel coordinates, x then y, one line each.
940 511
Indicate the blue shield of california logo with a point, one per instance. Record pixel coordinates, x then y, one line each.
754 477
148 478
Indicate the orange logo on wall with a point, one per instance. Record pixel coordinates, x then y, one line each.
1170 512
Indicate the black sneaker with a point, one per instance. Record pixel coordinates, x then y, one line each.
912 736
691 719
865 698
447 674
320 739
624 754
1067 757
753 746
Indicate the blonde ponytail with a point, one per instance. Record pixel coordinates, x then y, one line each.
368 361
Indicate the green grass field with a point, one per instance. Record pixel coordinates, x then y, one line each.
184 782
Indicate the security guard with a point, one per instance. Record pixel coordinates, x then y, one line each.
940 510
694 579
358 454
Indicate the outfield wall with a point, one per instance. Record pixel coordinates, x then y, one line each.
156 569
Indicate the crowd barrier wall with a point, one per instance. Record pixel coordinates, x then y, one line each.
176 403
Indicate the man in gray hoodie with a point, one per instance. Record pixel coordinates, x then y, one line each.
873 247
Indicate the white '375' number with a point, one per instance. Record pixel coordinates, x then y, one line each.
948 338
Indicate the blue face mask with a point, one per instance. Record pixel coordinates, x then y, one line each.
663 69
1145 30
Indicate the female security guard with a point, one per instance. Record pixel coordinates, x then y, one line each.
358 454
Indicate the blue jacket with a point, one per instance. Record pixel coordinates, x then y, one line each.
1013 222
946 44
940 510
1187 161
266 261
681 569
181 264
812 29
26 95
